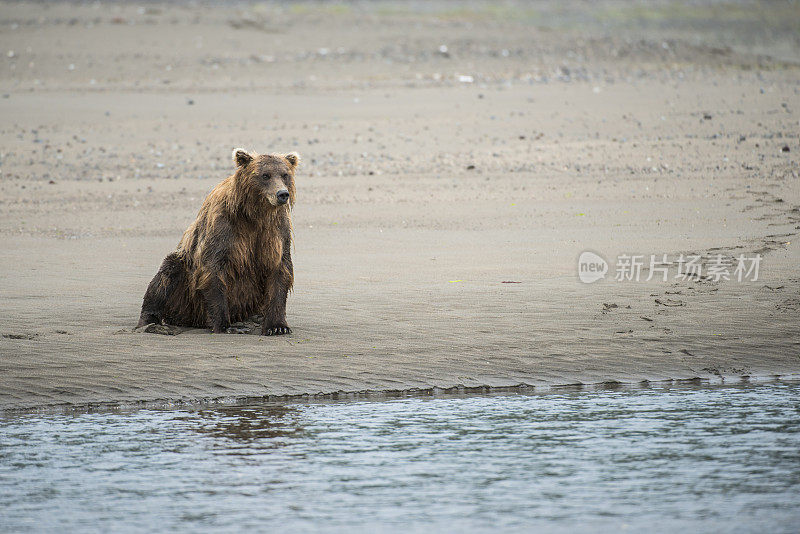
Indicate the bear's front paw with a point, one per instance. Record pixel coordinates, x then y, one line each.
276 331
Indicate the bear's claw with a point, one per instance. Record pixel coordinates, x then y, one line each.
277 331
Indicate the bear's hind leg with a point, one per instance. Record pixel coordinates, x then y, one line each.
163 284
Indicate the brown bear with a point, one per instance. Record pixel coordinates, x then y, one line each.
235 259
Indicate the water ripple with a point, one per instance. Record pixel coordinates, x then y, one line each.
705 458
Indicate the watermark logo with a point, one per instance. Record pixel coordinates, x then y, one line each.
637 267
591 267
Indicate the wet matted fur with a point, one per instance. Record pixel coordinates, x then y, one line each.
235 259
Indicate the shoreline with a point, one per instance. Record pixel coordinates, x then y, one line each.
386 395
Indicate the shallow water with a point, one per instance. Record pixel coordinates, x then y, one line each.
663 459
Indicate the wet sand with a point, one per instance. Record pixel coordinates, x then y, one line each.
422 193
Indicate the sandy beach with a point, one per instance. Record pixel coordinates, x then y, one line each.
456 163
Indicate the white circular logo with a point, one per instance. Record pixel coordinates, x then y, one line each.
591 267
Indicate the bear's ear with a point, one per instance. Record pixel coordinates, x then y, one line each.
241 158
293 158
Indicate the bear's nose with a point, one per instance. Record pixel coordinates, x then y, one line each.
283 196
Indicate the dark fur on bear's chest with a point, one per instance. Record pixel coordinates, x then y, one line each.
251 264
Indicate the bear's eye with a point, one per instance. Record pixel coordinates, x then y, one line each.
285 176
266 176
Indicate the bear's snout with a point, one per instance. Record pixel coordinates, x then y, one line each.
283 197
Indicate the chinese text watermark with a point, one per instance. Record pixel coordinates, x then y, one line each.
663 267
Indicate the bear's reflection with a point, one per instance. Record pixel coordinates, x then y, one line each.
262 424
